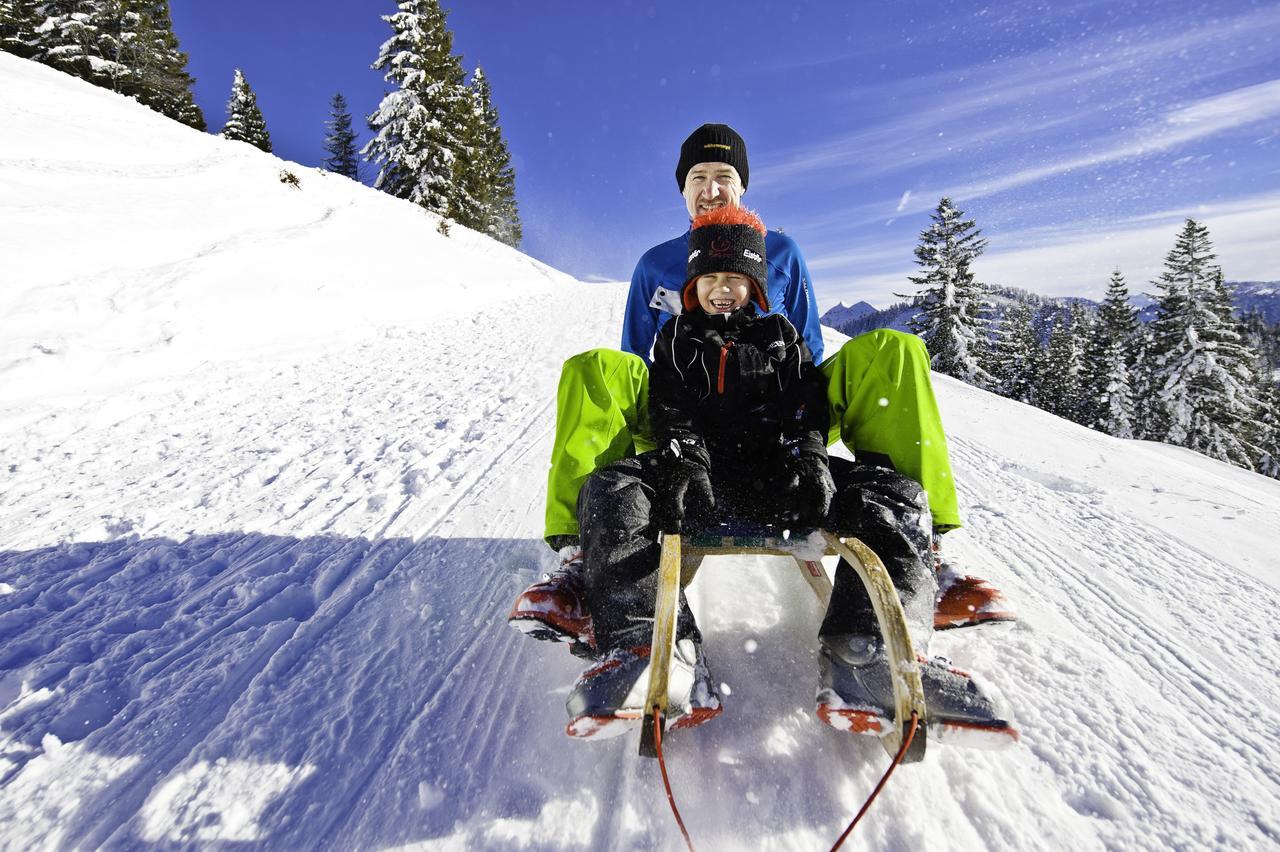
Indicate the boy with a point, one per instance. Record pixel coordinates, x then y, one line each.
739 413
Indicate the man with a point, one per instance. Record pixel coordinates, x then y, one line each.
879 392
713 173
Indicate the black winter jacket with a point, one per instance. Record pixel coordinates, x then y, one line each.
742 385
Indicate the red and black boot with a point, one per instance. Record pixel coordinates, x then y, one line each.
553 608
964 600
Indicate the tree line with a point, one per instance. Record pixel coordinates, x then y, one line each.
437 140
127 46
1197 375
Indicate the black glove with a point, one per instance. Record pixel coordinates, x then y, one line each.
683 500
813 488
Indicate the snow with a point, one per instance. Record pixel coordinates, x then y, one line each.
266 504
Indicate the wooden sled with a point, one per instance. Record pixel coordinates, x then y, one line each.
681 557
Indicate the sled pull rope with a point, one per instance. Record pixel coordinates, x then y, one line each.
666 782
906 743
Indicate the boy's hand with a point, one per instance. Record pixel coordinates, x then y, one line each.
683 500
813 490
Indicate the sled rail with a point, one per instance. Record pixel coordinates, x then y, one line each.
681 557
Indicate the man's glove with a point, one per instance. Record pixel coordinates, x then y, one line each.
813 488
683 500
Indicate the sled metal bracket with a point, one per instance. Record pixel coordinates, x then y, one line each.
680 559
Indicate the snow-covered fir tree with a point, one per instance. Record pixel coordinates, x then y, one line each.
159 66
245 122
127 46
18 22
1014 353
1142 381
420 127
487 171
950 297
1263 338
340 141
93 39
1264 435
1108 361
1060 389
1203 372
72 38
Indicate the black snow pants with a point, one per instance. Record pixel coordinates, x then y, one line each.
886 510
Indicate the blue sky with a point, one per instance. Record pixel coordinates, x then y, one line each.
1078 134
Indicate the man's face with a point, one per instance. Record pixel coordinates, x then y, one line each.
723 292
711 185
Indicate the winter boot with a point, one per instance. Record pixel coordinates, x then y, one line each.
964 600
553 607
855 694
608 698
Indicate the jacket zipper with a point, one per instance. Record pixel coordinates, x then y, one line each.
724 357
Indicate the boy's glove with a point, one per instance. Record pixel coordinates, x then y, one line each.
683 499
806 480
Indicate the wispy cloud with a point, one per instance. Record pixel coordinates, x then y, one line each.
1202 119
938 115
902 203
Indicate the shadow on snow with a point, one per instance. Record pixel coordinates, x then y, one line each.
337 692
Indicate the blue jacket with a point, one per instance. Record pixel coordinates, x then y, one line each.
664 265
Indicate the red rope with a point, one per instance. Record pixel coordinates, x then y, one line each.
906 743
662 766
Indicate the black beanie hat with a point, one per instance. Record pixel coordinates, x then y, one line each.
727 239
713 143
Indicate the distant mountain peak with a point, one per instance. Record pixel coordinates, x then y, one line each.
848 313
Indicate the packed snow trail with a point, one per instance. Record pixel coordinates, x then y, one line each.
253 587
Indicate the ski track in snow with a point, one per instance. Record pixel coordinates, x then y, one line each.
266 501
1167 667
368 461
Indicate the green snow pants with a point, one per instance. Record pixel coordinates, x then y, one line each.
878 389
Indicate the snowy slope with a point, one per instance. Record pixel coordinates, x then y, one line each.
253 579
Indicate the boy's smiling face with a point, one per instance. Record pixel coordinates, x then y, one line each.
723 292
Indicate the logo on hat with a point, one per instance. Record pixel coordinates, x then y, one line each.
717 145
720 247
748 253
695 253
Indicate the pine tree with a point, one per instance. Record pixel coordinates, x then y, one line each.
245 122
1014 352
1265 432
1108 392
950 297
91 39
68 38
127 46
1060 385
419 129
117 38
340 143
160 66
1203 370
489 177
18 22
1142 380
1264 339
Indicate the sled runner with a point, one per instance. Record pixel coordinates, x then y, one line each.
681 557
